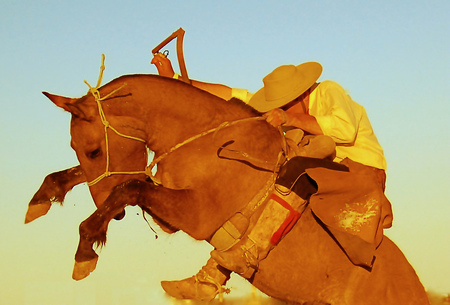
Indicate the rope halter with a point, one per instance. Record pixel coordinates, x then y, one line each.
94 91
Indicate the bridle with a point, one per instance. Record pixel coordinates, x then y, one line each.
94 91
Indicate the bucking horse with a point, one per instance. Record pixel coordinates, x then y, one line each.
212 158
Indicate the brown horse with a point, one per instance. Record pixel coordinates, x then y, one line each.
205 182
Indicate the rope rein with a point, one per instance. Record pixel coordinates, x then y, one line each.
148 169
215 131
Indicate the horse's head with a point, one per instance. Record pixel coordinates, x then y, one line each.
108 141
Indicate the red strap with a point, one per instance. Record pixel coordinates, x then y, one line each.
288 223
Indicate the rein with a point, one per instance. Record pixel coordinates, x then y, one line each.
148 169
213 130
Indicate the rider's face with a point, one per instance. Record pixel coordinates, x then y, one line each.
298 105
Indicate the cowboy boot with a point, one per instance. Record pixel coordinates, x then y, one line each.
275 221
204 286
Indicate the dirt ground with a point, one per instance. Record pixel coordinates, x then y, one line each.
257 299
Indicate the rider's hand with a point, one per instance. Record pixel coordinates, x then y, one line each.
276 117
163 65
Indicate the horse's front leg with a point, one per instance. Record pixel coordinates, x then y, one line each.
132 192
93 230
53 189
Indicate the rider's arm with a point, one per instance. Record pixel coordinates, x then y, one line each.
337 114
278 117
305 122
220 90
164 67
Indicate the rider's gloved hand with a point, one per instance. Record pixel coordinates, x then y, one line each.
163 65
276 117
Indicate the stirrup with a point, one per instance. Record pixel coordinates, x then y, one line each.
203 277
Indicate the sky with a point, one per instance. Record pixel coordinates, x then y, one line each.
391 56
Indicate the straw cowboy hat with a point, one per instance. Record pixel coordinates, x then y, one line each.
284 84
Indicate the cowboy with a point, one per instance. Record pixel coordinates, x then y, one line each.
291 97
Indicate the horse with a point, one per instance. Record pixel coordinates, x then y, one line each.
213 157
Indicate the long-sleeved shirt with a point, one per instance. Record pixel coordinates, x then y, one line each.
342 119
347 123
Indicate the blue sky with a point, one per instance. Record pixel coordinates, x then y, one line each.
392 57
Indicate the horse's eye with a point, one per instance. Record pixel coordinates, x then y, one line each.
94 154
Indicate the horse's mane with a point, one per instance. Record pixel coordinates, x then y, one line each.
244 106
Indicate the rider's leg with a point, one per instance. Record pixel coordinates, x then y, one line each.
208 282
293 189
278 217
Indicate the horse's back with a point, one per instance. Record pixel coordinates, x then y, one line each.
309 266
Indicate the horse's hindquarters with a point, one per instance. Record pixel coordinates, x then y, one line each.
393 279
309 266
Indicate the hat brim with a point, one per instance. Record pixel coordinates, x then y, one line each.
313 70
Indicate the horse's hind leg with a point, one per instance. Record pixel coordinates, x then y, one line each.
53 189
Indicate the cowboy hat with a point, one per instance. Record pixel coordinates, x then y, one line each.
284 84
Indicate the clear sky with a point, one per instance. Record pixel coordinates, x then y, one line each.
392 56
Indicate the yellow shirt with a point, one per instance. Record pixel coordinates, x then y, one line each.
242 94
346 122
342 119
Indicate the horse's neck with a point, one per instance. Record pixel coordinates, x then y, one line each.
186 112
168 111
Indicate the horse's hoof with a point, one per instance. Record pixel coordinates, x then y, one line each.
36 210
83 269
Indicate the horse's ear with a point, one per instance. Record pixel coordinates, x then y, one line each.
66 103
60 101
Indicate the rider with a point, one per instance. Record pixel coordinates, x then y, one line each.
291 97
